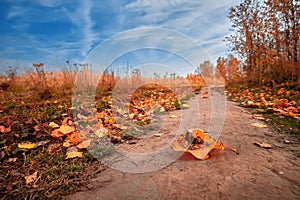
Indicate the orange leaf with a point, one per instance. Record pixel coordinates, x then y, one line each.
67 143
198 143
66 129
56 133
74 138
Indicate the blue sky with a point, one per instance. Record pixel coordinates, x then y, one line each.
53 31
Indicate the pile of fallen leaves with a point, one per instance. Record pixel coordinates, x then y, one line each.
279 101
279 104
45 145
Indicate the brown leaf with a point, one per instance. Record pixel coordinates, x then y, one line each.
56 133
66 129
263 145
12 159
31 178
84 144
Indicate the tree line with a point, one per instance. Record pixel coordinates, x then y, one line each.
266 39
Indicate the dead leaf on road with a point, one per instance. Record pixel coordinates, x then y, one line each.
158 134
263 145
198 143
173 116
259 125
259 117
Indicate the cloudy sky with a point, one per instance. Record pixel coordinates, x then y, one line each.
53 31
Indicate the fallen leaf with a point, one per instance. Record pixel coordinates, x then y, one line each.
131 115
31 178
56 133
73 154
4 129
258 117
259 125
162 109
84 144
53 125
198 143
158 134
173 116
66 129
67 143
26 145
74 138
12 159
185 105
263 145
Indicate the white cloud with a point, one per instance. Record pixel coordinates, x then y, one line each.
49 3
16 11
81 17
202 20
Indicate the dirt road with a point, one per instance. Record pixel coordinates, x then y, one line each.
256 173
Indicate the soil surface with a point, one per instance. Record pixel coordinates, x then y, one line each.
256 173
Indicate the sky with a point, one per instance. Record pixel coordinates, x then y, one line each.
54 31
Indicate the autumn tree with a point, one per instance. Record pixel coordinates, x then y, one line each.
266 38
205 69
221 70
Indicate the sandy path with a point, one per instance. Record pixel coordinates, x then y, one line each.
255 173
